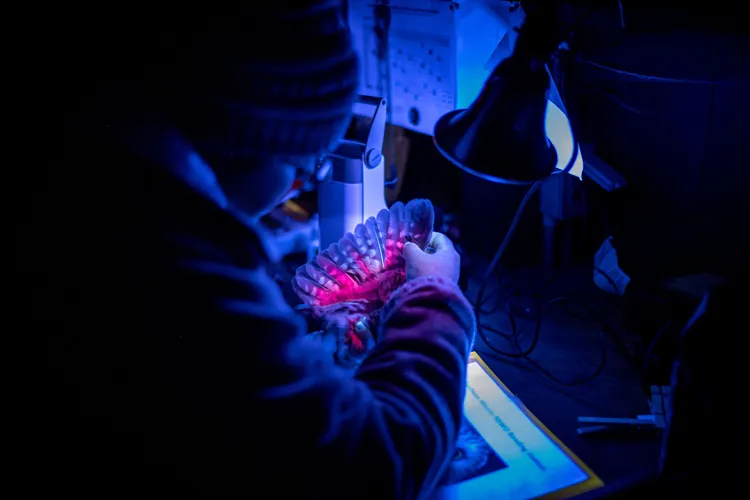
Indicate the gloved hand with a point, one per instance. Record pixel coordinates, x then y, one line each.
440 259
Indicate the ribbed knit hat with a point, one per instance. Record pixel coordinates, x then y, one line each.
276 77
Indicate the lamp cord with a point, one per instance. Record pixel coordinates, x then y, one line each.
523 353
517 217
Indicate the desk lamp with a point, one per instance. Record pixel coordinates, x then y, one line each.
501 137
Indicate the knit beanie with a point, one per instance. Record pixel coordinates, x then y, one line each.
274 78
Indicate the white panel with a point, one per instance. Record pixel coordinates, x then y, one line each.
438 54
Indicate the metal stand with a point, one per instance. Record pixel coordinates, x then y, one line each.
655 421
356 189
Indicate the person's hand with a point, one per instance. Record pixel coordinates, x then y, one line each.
440 259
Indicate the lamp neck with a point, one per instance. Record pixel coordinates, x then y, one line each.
538 38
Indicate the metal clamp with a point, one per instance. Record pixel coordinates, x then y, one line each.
356 189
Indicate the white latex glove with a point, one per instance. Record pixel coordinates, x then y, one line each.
439 260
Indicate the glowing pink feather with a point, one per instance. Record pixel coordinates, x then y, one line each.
353 278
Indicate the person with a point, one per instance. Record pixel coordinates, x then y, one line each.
174 367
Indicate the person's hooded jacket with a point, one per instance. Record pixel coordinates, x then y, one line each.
176 369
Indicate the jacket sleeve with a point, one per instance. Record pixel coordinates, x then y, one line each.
386 432
389 431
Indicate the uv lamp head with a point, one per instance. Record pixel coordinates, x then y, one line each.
501 136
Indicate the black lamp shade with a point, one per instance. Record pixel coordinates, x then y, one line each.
501 136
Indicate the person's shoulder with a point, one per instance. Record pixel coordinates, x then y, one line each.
139 209
176 213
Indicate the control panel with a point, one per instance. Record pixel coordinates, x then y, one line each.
429 57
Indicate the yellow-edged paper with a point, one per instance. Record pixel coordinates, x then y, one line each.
532 463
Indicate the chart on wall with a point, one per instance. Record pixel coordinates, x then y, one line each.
504 451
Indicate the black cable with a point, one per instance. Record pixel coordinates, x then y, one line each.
535 340
509 234
523 353
588 378
480 299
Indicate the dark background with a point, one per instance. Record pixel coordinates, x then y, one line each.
673 121
663 101
678 135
